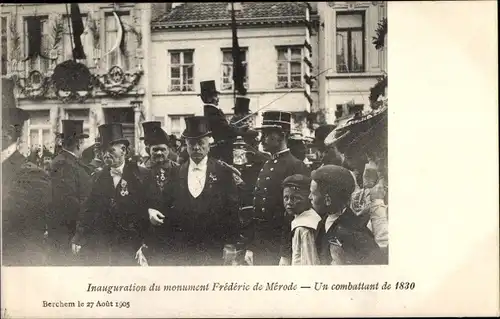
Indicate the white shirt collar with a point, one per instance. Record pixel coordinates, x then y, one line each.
202 165
308 218
331 218
119 168
6 153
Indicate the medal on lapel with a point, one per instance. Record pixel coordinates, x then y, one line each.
123 188
160 179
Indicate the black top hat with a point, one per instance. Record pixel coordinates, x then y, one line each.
112 134
208 88
196 127
10 113
321 133
242 105
154 134
72 129
276 119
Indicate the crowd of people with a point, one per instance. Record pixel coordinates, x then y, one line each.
211 198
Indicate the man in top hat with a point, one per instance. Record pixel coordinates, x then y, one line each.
205 215
160 184
241 120
115 217
26 192
269 213
91 156
71 184
223 134
343 237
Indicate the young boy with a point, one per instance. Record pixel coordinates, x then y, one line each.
305 222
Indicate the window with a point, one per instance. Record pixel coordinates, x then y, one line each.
181 71
227 68
39 63
40 131
67 41
117 57
289 67
177 124
350 42
4 27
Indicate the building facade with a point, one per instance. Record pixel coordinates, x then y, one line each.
354 64
115 41
192 42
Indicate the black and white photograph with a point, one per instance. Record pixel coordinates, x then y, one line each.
180 159
238 133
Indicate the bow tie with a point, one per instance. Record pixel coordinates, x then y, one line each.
195 169
116 172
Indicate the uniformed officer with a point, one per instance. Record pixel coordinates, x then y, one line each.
160 186
71 184
269 213
26 192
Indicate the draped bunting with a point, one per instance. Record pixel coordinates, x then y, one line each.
238 69
78 29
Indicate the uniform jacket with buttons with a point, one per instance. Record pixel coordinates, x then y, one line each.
268 193
71 185
26 203
115 220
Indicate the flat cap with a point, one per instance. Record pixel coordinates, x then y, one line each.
336 178
301 182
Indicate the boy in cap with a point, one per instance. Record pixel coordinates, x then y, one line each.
26 192
343 237
305 222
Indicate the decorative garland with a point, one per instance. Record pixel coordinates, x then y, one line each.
131 29
57 32
15 51
93 25
381 32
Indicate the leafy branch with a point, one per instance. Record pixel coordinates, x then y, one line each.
137 33
15 52
57 32
93 26
381 33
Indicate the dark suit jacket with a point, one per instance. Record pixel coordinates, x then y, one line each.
358 245
71 185
204 225
113 223
26 201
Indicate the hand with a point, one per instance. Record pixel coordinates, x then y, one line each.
75 248
284 261
249 257
139 256
155 217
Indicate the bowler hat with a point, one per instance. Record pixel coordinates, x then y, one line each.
112 134
10 112
154 134
72 129
276 119
208 88
321 133
242 105
196 127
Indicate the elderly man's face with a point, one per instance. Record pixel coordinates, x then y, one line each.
114 155
317 199
198 148
159 153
